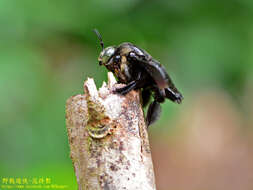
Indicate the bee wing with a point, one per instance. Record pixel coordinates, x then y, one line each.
160 76
155 70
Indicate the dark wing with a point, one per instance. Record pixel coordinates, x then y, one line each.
154 69
159 74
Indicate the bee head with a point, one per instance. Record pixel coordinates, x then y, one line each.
106 53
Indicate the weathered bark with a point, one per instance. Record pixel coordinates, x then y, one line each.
108 139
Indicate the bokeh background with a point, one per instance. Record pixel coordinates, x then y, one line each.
47 50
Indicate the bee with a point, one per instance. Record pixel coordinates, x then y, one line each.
137 69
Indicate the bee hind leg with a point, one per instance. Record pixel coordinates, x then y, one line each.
154 109
153 114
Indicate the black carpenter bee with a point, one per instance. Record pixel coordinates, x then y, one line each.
138 70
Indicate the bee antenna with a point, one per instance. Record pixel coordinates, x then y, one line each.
99 37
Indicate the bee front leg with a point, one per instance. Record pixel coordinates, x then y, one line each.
130 86
135 84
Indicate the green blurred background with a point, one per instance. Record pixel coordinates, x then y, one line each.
47 50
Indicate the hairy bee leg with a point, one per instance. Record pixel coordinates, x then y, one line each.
154 111
146 95
174 96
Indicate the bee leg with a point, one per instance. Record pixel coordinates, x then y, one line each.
130 86
154 109
145 94
174 96
135 84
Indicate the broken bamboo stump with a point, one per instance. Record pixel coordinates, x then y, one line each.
108 139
